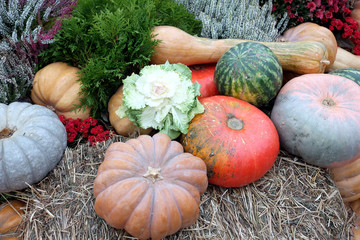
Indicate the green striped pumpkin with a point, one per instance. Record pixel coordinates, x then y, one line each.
249 71
349 73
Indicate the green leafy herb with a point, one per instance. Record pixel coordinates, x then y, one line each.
109 40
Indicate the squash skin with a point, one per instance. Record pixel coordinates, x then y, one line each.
56 86
318 118
132 194
204 75
234 157
34 148
11 214
177 46
122 126
344 59
309 31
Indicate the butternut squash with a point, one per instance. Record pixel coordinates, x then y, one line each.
344 59
309 31
177 46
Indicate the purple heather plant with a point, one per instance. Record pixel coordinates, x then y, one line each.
26 28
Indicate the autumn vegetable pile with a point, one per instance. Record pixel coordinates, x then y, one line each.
192 111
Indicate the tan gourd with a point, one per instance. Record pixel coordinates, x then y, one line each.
344 59
309 31
177 46
122 126
355 12
56 86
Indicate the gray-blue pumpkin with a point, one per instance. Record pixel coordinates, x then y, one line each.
32 142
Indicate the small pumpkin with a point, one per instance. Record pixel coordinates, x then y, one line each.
56 86
317 117
236 140
11 215
32 142
149 186
309 31
122 126
204 75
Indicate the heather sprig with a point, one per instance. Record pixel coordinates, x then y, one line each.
32 22
26 28
243 19
16 73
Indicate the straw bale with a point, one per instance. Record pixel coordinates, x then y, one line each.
292 201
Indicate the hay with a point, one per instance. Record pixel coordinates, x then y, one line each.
292 201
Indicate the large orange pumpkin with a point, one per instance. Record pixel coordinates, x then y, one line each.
56 86
149 186
237 141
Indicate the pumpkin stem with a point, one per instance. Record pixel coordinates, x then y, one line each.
6 133
328 102
153 174
234 123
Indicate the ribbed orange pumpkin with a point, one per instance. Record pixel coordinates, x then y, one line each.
122 126
149 186
11 214
56 87
309 31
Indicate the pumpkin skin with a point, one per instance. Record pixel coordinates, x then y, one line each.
11 214
204 75
318 118
122 126
32 142
355 12
309 31
149 186
236 140
56 86
347 180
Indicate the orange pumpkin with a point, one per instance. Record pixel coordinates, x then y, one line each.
149 186
237 141
309 31
56 86
11 214
122 126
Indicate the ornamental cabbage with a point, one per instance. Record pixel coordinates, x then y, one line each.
161 97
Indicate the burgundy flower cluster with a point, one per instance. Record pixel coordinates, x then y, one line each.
332 14
87 129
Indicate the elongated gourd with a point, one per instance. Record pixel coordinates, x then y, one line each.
177 46
344 59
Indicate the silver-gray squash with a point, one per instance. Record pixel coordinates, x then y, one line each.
32 142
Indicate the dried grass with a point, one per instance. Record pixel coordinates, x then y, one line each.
292 201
